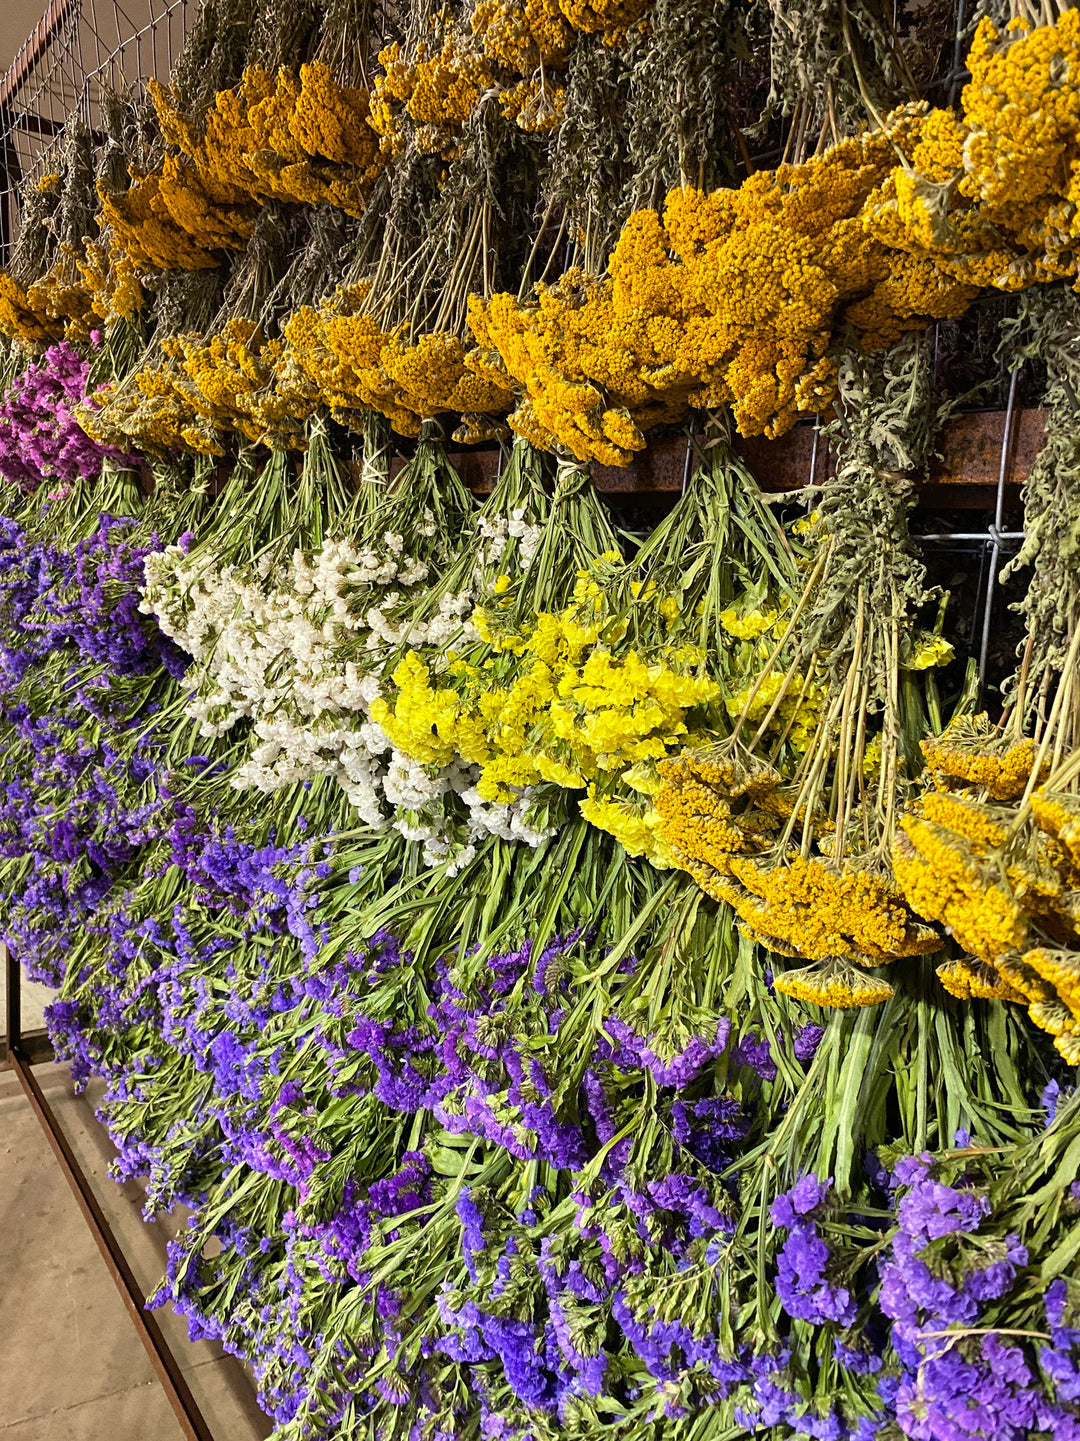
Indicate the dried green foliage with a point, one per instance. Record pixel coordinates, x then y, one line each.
665 108
215 51
883 436
1047 330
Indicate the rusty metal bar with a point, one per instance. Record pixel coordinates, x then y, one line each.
164 1363
982 455
35 45
13 1020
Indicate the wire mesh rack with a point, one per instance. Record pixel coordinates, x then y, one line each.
78 51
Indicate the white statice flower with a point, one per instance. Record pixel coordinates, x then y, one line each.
302 652
528 536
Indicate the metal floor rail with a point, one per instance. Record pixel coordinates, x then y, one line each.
164 1363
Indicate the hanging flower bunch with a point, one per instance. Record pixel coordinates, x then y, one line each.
205 396
989 848
300 139
354 365
737 296
41 438
789 819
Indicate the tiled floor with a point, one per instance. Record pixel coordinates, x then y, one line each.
71 1365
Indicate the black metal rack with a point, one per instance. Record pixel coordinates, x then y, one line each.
21 1056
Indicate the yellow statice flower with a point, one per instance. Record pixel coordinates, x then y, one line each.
633 828
554 702
749 626
932 650
799 711
422 719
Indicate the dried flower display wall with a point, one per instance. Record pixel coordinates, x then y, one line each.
590 971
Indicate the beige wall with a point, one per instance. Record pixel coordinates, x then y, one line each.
17 19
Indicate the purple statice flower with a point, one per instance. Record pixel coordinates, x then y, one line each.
472 1229
802 1281
755 1054
792 1207
807 1040
803 1266
708 1127
1054 1096
930 1210
40 436
681 1070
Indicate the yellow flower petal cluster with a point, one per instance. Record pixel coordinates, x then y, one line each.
749 626
300 138
351 364
206 391
112 282
554 703
796 717
608 18
428 98
75 293
736 297
970 753
523 35
1058 816
834 983
956 882
728 297
1004 882
45 310
632 826
534 105
168 220
720 811
815 910
994 195
971 980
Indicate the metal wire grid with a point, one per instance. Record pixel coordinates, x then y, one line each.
78 50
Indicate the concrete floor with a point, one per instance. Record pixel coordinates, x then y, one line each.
71 1365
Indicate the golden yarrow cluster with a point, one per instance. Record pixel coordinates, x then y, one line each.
351 364
721 814
427 98
994 195
731 297
523 35
206 393
1003 881
303 139
736 297
42 311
